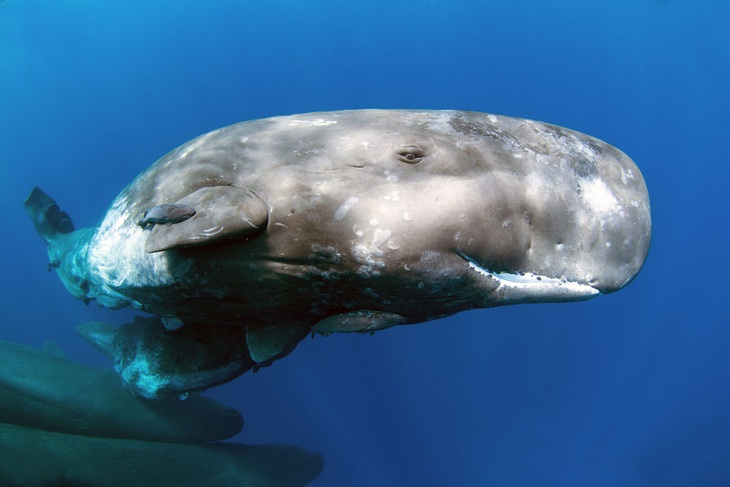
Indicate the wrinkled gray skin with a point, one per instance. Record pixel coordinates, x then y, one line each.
396 216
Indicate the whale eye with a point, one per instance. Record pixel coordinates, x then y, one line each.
411 154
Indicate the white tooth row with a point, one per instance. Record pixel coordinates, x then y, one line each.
528 280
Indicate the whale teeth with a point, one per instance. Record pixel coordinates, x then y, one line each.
521 279
528 287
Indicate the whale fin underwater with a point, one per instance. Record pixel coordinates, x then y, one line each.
247 239
66 424
221 213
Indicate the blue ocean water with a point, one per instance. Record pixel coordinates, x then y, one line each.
630 389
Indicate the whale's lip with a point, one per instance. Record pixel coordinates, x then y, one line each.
526 285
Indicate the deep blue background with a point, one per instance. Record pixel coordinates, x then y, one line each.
630 389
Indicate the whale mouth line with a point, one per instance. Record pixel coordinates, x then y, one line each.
528 280
524 278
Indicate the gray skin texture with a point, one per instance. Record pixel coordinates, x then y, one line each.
327 216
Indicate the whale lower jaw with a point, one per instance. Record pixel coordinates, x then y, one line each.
529 287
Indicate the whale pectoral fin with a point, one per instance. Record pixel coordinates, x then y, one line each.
221 213
360 321
100 335
269 342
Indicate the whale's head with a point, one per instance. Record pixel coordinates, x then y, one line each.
479 210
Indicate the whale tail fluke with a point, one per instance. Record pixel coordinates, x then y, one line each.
49 220
66 246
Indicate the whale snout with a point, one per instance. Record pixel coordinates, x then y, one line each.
579 215
616 222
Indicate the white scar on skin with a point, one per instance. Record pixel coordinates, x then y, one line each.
345 207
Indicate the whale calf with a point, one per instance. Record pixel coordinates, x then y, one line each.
353 221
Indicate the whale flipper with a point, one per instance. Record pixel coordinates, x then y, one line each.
221 213
360 321
166 214
269 342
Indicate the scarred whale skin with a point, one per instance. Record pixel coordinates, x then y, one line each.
336 217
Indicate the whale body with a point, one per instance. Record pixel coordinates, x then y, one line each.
352 221
66 424
46 391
